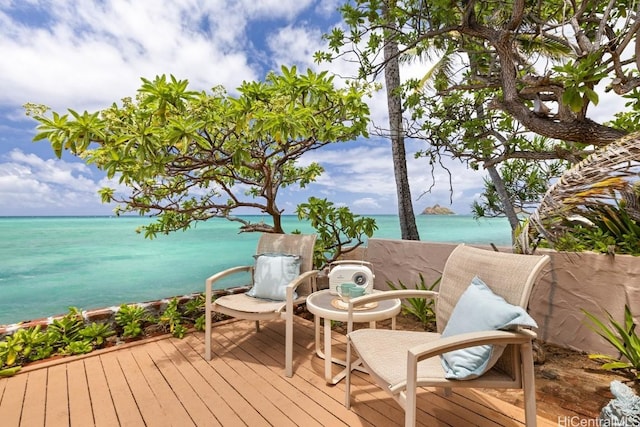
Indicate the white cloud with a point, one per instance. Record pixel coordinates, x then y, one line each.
35 186
86 55
295 45
366 203
94 53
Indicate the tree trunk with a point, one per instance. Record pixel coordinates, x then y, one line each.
507 205
408 228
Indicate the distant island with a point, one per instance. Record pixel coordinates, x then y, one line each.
437 210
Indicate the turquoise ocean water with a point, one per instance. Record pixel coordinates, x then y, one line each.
48 264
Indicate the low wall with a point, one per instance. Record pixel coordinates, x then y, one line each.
572 281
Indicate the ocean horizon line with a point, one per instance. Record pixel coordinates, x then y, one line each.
239 215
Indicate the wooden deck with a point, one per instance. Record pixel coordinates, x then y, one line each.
167 382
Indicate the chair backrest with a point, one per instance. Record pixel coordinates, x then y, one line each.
291 244
509 275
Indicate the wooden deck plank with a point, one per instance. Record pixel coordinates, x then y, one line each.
171 406
80 410
313 379
198 411
36 395
104 411
150 410
186 360
384 412
123 400
57 407
11 405
167 382
238 371
214 373
300 404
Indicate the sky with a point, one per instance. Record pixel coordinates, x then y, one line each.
85 55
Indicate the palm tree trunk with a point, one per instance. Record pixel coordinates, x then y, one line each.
408 228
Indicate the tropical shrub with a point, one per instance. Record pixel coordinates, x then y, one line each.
194 310
70 334
65 332
131 320
171 320
97 333
623 337
421 308
612 230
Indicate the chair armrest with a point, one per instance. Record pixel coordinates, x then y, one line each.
456 342
225 273
470 339
291 287
301 278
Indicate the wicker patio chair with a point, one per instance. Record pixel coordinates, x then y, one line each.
256 308
401 361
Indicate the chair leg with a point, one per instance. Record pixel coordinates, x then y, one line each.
411 391
288 346
528 384
257 326
207 323
347 381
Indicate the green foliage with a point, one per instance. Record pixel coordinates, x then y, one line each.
339 230
7 372
623 337
67 329
496 73
580 77
524 181
421 308
37 344
77 347
200 323
194 311
131 319
613 231
10 350
194 306
171 320
97 333
189 156
25 345
70 335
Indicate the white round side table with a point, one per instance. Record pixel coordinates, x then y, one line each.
326 306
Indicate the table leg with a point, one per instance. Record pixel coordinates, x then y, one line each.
327 351
316 321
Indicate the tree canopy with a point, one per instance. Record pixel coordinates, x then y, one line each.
500 72
188 156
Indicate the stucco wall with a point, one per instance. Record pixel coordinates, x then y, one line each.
572 282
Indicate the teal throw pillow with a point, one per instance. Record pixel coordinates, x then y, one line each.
479 309
272 274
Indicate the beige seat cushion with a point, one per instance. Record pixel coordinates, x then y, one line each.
243 302
385 353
